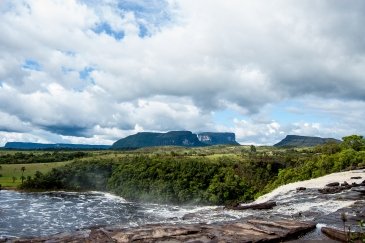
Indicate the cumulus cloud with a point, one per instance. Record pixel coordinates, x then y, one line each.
92 71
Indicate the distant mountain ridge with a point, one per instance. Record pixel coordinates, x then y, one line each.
44 146
151 139
174 138
303 141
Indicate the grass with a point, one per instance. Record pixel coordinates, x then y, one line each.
9 170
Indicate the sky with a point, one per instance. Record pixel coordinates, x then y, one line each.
96 71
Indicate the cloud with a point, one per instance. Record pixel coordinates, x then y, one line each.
96 70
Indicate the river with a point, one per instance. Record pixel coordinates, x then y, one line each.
36 214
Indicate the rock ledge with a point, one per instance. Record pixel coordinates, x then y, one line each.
256 230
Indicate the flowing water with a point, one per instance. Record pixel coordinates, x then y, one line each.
35 214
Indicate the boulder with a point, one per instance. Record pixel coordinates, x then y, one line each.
333 184
189 216
301 189
331 190
354 184
340 235
344 183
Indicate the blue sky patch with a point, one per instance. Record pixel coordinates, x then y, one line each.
32 65
155 12
290 111
226 117
85 73
105 28
143 31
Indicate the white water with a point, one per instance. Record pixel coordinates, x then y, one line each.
291 203
34 214
319 182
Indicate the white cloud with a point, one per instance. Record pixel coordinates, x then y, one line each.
195 59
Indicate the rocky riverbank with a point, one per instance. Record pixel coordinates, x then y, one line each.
257 230
278 216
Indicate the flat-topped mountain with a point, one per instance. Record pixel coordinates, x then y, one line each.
150 139
41 146
216 138
174 138
303 141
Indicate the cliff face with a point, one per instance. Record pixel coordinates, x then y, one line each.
216 138
149 139
303 141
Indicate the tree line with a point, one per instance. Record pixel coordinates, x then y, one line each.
201 180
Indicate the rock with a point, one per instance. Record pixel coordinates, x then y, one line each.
359 189
257 206
256 230
189 216
354 184
333 184
344 183
334 234
340 235
78 236
301 189
331 190
100 235
356 177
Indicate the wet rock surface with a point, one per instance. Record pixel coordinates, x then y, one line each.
353 215
301 188
360 189
333 184
336 187
255 206
255 230
340 235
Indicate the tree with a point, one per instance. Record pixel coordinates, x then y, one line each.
22 177
253 149
356 142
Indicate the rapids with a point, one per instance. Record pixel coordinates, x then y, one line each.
36 214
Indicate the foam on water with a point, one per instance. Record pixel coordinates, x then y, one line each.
110 196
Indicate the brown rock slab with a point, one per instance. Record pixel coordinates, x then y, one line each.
257 230
342 236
